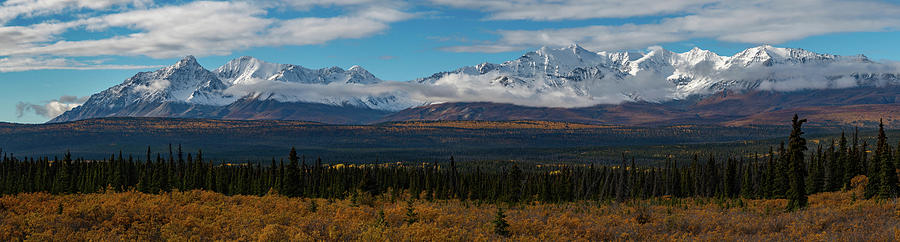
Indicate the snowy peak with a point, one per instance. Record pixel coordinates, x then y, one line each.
563 59
187 62
768 55
571 50
570 76
248 70
697 55
657 74
361 76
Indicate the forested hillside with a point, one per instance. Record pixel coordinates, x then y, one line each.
236 140
786 171
843 190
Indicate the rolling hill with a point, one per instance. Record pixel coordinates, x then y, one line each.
263 140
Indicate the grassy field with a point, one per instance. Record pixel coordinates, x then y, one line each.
202 216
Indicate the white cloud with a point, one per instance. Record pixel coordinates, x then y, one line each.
305 31
154 86
12 9
307 4
199 28
52 108
28 63
753 21
574 9
477 88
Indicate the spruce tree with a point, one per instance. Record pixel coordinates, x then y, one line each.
711 177
501 227
769 184
63 175
411 216
514 184
731 179
852 166
797 146
747 182
815 180
888 176
837 169
781 176
874 171
292 175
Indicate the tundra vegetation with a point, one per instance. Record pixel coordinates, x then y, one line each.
843 191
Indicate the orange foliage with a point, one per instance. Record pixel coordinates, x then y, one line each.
200 215
524 124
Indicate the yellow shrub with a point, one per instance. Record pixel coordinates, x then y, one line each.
203 216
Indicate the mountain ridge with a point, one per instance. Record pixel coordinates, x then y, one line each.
570 77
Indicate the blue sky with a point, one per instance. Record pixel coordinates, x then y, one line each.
51 50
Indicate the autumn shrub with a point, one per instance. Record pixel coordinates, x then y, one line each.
642 214
858 185
207 216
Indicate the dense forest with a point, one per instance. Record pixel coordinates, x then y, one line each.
789 171
260 140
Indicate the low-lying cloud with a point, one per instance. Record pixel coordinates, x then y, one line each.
51 108
543 91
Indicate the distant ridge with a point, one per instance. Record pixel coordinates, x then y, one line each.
563 84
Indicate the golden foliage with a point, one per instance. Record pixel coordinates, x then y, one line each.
202 216
524 124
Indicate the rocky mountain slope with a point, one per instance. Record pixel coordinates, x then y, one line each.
566 84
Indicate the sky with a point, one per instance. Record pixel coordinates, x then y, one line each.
55 53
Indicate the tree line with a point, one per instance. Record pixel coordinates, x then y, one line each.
788 171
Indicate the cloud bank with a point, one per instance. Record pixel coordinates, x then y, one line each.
540 92
144 28
751 21
40 63
51 108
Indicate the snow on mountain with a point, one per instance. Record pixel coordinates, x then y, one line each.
661 75
185 81
249 70
548 77
251 77
186 85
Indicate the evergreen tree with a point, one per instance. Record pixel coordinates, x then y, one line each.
814 180
874 171
411 216
731 179
501 227
837 168
63 175
292 176
852 168
711 177
747 182
514 184
888 177
797 147
769 186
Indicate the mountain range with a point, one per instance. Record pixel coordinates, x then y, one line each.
756 86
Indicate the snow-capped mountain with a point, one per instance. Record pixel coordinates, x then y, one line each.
185 81
254 78
186 89
548 77
249 70
659 75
